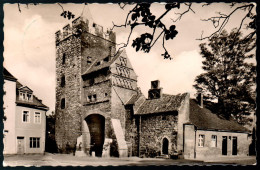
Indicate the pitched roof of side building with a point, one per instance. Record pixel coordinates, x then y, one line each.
35 103
166 103
204 119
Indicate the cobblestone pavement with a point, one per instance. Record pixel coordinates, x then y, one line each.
70 160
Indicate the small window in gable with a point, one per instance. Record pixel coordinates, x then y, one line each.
89 60
89 98
98 63
62 105
94 97
106 59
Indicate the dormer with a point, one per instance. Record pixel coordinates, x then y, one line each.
25 94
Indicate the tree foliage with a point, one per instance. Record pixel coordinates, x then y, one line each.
229 77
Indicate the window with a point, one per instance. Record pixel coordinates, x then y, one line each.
98 63
106 94
62 82
201 140
89 60
89 98
106 59
29 97
163 117
37 117
26 116
63 58
62 105
213 141
34 142
94 97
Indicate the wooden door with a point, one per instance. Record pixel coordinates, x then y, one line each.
20 145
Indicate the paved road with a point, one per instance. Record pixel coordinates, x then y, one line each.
70 160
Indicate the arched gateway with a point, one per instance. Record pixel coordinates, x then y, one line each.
96 126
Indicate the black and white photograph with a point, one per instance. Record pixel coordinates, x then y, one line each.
129 84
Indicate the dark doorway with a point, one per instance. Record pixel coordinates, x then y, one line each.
165 146
224 145
234 145
96 125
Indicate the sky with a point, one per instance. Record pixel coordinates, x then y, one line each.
29 44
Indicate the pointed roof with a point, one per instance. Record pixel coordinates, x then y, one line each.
36 103
8 75
86 14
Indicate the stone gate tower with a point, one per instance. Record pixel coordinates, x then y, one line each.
93 83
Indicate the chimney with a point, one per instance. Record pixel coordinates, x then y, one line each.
200 99
155 92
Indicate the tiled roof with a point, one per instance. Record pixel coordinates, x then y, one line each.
8 76
203 118
166 103
104 64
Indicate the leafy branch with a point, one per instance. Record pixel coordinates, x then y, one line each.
141 15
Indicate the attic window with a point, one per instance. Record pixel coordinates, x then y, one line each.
94 97
98 63
25 96
94 25
89 60
106 59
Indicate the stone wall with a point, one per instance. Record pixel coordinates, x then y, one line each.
154 128
68 122
132 129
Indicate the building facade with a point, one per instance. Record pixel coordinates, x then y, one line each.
99 104
25 124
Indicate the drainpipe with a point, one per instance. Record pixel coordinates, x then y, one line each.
195 142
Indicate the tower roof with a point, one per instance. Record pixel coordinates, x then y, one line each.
86 14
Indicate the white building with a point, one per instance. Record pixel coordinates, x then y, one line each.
25 124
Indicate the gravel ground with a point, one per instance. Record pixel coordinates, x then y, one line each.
70 160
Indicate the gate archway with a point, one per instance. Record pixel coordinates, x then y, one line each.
96 126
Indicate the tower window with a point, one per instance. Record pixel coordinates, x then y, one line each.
62 83
62 105
94 25
63 58
94 97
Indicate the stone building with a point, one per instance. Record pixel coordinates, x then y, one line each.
99 105
25 124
